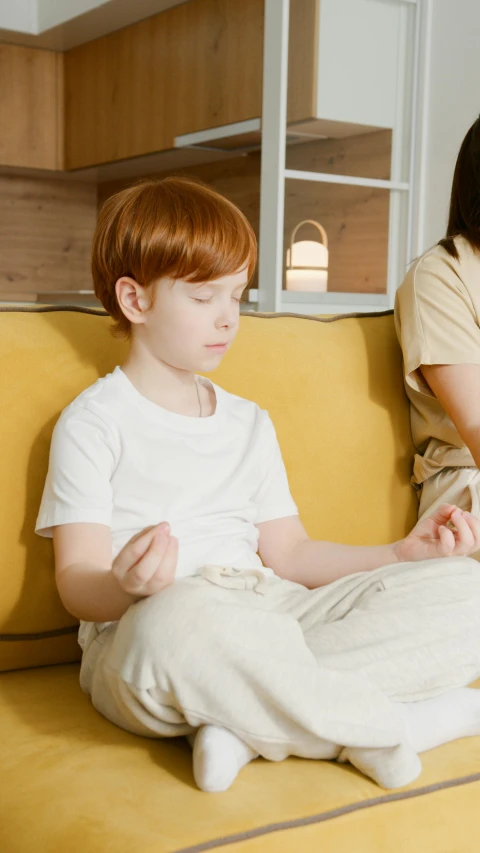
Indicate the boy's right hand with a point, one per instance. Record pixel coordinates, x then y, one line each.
147 563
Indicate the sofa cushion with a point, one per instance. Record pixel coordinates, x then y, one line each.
332 385
72 781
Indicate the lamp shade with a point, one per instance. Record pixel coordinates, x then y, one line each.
307 261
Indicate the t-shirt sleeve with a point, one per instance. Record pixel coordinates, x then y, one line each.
435 320
81 463
272 498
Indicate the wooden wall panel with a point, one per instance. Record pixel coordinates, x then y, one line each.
237 179
356 218
356 222
31 107
367 155
46 229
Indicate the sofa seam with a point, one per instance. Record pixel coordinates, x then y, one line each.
40 635
331 814
43 309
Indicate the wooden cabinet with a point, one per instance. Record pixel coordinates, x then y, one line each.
191 68
194 66
31 106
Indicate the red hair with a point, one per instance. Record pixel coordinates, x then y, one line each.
174 227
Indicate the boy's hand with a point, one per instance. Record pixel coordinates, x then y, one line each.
147 563
432 538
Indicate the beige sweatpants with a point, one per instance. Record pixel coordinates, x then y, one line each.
291 671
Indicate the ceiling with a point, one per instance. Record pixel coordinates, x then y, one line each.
63 24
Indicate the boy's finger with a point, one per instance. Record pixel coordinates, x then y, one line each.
443 513
148 564
165 573
447 541
474 525
157 528
136 547
464 537
171 556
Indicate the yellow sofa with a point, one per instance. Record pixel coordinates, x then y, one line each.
73 783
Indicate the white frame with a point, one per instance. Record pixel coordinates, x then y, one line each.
271 296
274 136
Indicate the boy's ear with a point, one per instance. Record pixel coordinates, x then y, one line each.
132 298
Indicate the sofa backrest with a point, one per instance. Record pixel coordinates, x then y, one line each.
333 387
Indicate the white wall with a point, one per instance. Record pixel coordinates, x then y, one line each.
19 15
51 13
62 24
451 103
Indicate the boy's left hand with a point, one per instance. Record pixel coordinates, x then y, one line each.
432 538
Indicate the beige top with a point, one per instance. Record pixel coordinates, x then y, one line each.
437 318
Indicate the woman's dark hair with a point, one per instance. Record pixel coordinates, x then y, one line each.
464 214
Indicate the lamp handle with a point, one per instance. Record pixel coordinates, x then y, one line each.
317 225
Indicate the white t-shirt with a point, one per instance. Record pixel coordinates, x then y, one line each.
117 458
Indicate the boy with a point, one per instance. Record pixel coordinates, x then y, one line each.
205 608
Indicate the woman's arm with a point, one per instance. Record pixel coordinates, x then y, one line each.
457 388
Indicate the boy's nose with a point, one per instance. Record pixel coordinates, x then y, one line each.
227 317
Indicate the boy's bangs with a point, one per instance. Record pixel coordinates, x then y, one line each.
207 263
208 251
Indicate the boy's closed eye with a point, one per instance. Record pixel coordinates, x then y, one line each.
208 301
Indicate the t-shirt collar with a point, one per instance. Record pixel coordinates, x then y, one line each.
153 411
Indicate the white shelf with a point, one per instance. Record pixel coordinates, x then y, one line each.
329 298
225 137
298 302
245 136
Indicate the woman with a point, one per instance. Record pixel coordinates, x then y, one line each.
437 317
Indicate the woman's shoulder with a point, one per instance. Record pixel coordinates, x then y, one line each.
438 267
436 260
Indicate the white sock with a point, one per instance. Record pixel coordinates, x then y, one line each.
218 757
390 767
447 717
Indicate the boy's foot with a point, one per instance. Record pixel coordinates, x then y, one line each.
218 756
390 767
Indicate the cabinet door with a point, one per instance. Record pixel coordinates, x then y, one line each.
30 107
192 67
358 57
